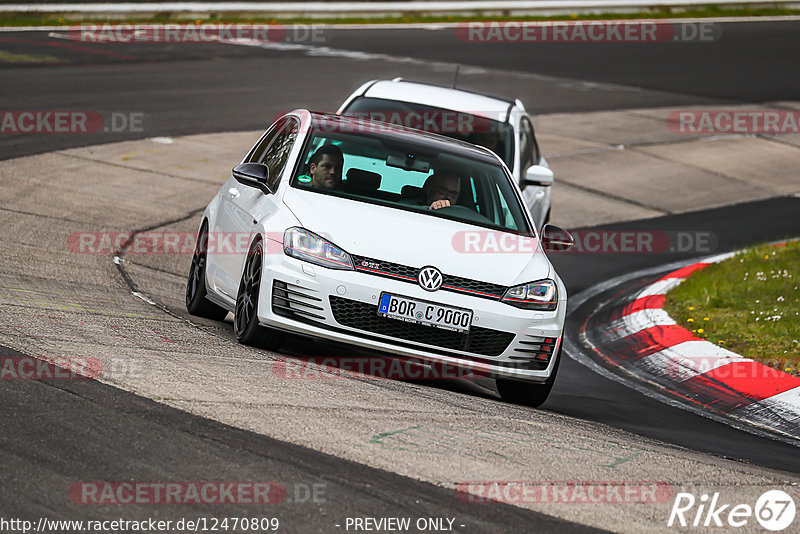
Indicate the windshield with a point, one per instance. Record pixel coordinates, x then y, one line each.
388 171
476 127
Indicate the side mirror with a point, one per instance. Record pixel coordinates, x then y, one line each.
537 175
252 175
556 239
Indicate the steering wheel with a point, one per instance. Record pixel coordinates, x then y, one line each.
456 208
463 212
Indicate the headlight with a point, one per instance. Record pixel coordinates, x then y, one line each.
541 295
304 245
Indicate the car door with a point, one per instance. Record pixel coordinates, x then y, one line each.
536 196
244 207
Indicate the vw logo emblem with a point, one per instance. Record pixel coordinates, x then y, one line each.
430 278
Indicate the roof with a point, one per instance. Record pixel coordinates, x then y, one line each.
441 97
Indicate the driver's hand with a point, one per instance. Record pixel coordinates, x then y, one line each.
439 204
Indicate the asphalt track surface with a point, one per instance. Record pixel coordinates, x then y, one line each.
116 435
212 87
208 87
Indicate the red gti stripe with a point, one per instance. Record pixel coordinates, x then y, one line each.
471 291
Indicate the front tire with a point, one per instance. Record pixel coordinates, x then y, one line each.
245 317
196 301
528 393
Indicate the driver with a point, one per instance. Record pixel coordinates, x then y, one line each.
441 189
325 168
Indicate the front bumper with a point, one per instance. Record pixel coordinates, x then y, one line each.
341 306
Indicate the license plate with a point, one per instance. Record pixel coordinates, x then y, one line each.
424 313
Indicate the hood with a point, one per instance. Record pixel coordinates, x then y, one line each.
417 239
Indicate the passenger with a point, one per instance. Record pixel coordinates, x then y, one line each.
325 168
489 139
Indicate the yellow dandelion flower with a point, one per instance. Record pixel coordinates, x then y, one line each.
705 318
700 330
689 320
691 308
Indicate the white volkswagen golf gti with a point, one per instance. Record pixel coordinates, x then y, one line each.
395 240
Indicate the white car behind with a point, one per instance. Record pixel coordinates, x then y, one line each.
406 102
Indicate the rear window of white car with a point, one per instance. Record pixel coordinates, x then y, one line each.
478 127
380 171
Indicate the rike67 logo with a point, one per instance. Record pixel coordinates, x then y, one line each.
774 510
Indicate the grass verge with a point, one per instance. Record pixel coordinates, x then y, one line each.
28 19
749 304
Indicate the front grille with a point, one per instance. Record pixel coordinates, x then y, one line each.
386 268
473 287
404 273
364 316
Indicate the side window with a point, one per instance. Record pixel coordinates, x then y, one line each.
273 150
529 151
475 195
257 156
503 217
278 152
